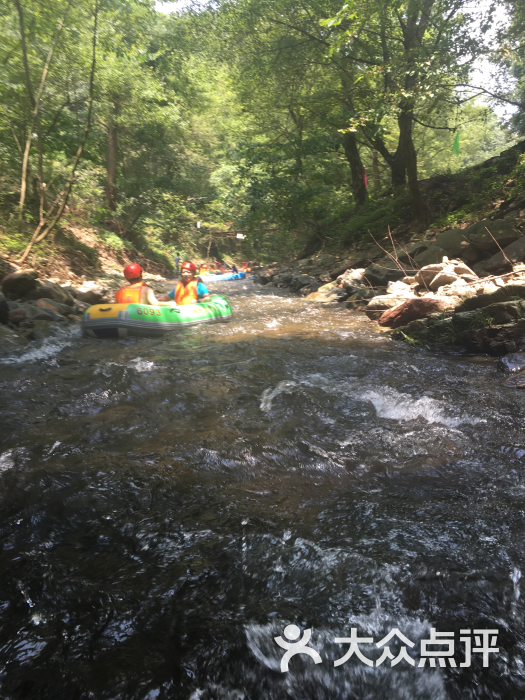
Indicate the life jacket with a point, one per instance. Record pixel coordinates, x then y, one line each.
186 294
129 294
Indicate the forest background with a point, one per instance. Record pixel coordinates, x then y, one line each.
300 125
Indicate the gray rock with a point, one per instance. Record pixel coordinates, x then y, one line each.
9 340
90 297
512 364
377 305
62 309
453 241
17 284
515 252
380 274
299 281
504 231
441 279
435 329
413 250
470 254
49 290
432 255
508 293
359 298
35 313
284 278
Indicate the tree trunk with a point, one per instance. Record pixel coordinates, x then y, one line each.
111 184
407 149
398 167
396 161
356 166
375 170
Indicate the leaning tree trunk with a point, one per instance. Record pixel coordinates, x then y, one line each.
356 166
111 183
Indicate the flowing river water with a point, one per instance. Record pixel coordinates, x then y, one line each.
168 507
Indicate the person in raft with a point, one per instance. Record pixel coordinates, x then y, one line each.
137 291
189 290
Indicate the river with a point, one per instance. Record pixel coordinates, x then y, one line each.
168 507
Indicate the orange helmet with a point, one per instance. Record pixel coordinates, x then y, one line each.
132 271
188 266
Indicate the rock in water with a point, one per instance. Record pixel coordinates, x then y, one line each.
9 340
4 312
18 284
411 310
513 363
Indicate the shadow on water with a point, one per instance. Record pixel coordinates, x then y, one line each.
169 506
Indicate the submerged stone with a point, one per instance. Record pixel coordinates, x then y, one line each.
513 363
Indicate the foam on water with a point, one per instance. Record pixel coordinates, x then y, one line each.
387 401
269 395
49 348
392 404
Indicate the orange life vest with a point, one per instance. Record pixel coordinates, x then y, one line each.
186 294
129 294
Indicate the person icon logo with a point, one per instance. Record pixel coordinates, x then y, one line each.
292 632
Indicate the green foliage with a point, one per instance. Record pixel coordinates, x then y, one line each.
481 320
234 118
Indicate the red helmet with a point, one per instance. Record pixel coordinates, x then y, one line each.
132 271
188 266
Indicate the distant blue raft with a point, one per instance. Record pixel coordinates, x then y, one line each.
226 276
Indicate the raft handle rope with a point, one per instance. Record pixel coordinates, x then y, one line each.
108 309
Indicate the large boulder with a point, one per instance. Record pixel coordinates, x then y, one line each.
453 241
488 235
51 305
284 278
9 340
441 279
299 281
381 273
510 292
432 255
515 252
381 303
413 250
413 309
359 298
18 284
447 272
436 328
471 254
351 278
34 313
49 290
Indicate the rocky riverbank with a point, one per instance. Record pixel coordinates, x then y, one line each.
32 309
462 287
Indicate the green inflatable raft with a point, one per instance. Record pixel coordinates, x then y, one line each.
122 320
